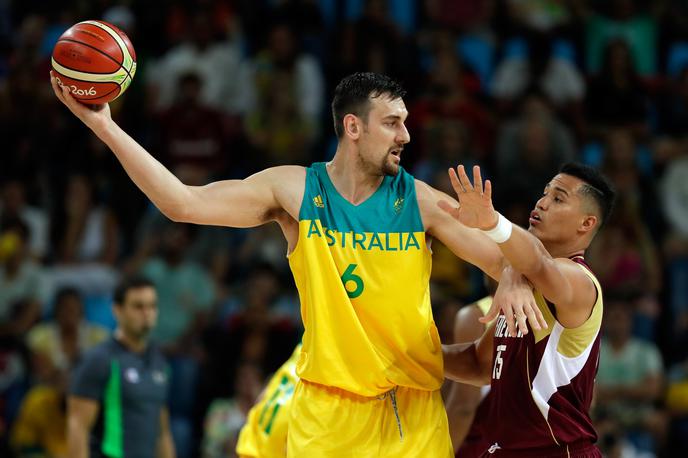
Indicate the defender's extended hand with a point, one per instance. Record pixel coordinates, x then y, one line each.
475 203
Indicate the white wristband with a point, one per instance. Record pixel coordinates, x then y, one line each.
502 231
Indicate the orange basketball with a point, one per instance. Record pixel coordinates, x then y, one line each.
95 60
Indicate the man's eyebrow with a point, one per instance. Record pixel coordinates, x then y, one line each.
392 116
557 188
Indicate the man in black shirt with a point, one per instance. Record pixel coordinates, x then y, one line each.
116 405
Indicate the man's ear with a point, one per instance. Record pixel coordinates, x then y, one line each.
590 223
352 129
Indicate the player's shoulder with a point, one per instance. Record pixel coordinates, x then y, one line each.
285 173
98 357
466 324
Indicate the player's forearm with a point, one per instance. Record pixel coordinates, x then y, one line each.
164 189
462 364
462 403
524 252
77 440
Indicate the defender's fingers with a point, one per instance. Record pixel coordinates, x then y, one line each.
449 208
456 184
491 314
510 325
532 318
540 317
488 189
463 178
477 179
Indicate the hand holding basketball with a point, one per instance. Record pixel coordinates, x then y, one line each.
89 114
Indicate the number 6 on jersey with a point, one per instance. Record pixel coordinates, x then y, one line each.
350 276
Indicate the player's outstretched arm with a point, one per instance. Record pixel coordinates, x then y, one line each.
465 242
471 362
463 400
234 203
561 281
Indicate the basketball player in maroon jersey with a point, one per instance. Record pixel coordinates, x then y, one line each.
541 379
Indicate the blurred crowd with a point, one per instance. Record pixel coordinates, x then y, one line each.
227 87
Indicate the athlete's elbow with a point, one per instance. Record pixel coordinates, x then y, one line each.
176 214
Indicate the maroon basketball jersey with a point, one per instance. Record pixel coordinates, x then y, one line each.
542 386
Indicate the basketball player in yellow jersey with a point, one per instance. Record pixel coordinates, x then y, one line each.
265 433
358 231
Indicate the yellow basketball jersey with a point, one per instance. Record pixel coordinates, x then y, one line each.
265 433
484 305
362 272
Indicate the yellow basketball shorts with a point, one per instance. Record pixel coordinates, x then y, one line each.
329 422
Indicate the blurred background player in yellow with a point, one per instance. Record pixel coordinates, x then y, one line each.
265 433
359 231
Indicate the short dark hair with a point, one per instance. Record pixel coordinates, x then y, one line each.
353 94
127 284
596 186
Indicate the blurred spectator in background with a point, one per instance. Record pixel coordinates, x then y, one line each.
449 95
629 168
282 66
629 20
626 261
557 76
23 287
185 291
225 417
674 199
672 106
88 233
373 42
217 63
277 129
530 149
85 239
264 245
193 142
616 96
13 205
629 379
41 427
58 344
449 142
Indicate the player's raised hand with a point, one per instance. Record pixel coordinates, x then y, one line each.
90 115
475 202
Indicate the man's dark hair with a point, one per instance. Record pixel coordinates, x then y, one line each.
596 187
353 94
128 284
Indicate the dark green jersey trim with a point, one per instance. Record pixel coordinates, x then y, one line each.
113 435
392 208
